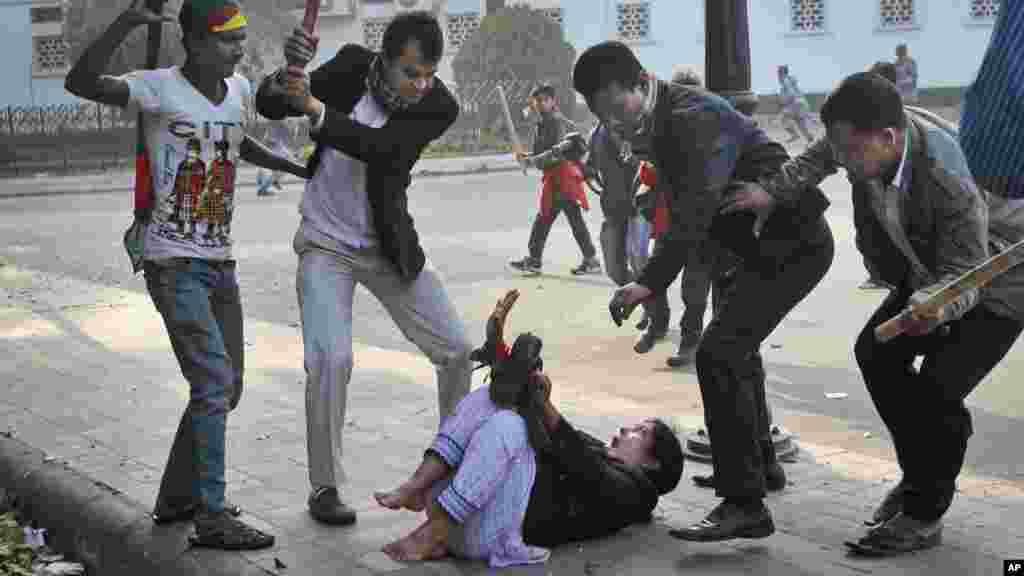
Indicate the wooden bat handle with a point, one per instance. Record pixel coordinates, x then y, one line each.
978 277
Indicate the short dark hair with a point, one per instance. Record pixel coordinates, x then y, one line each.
866 101
603 64
884 69
669 454
418 25
543 89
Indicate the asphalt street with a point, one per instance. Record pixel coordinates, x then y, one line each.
471 225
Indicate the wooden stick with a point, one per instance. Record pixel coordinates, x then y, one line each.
512 134
977 277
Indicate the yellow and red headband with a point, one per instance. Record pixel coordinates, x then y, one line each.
219 15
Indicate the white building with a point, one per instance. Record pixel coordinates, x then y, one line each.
820 40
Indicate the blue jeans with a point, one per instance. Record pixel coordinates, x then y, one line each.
200 305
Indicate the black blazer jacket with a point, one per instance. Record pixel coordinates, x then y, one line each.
389 151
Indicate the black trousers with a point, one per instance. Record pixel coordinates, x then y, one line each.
924 409
542 226
752 299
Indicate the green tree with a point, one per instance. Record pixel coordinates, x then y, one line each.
269 22
517 47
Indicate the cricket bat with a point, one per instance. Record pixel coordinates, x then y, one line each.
978 277
309 18
509 125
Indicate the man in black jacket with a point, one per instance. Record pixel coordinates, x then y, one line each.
700 143
371 116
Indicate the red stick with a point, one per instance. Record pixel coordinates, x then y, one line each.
309 19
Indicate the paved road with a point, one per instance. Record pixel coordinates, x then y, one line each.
471 225
85 360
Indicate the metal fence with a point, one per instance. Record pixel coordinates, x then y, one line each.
84 136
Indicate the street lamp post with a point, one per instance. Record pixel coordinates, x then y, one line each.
727 73
727 56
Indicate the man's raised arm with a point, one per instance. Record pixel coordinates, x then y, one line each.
87 78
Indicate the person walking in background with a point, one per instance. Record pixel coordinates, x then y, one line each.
279 139
796 112
906 75
562 187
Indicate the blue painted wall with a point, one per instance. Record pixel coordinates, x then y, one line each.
20 87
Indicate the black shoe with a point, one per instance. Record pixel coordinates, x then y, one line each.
774 479
528 264
891 505
727 521
168 515
326 507
649 338
223 531
899 535
687 352
588 266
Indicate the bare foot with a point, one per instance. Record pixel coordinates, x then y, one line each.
402 497
418 546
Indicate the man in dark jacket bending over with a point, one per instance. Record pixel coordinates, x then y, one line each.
700 143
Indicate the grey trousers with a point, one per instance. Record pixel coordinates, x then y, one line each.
326 281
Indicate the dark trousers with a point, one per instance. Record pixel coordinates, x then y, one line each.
924 409
542 226
752 299
202 311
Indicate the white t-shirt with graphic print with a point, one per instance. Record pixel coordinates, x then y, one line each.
193 148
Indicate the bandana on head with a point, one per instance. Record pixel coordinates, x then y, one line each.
219 15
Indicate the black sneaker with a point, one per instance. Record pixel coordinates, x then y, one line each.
223 531
529 264
588 266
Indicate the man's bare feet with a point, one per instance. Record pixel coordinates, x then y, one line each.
420 545
404 497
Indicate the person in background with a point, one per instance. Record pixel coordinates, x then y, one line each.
906 74
796 112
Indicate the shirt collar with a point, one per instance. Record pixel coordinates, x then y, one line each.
903 172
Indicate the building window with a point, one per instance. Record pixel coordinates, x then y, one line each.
553 13
373 32
897 14
633 21
44 14
806 16
50 54
461 28
984 10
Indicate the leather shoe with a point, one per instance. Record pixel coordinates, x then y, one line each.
774 479
326 507
899 535
891 505
728 521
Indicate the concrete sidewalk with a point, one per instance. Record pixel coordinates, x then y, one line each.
122 181
91 394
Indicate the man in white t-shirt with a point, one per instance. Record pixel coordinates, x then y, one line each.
192 118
